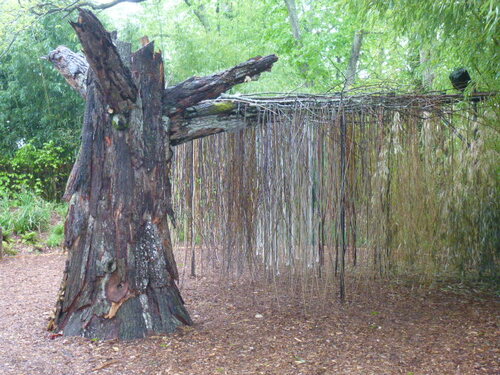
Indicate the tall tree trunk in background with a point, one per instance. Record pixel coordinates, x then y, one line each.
199 12
294 19
119 280
427 73
351 72
297 33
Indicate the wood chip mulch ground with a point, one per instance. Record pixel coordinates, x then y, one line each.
246 329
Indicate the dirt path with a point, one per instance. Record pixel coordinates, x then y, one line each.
376 333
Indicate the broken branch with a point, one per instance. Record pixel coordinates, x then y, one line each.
115 79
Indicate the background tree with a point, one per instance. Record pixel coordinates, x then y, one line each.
35 106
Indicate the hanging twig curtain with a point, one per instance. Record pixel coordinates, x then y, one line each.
324 185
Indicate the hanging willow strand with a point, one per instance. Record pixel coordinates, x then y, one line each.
327 186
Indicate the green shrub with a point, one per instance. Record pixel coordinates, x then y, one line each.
6 235
42 170
61 209
30 238
8 250
56 236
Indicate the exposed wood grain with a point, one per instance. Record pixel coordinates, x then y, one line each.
72 66
115 79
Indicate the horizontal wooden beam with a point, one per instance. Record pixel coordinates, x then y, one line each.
197 89
211 117
192 119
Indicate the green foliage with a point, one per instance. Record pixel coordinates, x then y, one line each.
43 170
6 234
8 250
36 104
395 34
56 236
239 30
27 216
30 238
458 34
61 209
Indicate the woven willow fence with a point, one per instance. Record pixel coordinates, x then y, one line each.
325 186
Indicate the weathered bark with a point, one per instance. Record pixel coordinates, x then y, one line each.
226 117
72 66
185 117
119 280
196 89
113 76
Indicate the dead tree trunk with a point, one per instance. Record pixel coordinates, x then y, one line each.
119 280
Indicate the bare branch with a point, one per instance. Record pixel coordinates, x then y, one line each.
72 66
195 89
112 4
47 8
16 35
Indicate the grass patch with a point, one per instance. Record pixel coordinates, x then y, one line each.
7 249
56 236
25 213
30 238
25 218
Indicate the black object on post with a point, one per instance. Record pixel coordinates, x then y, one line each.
460 79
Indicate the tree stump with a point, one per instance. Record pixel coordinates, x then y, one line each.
120 276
